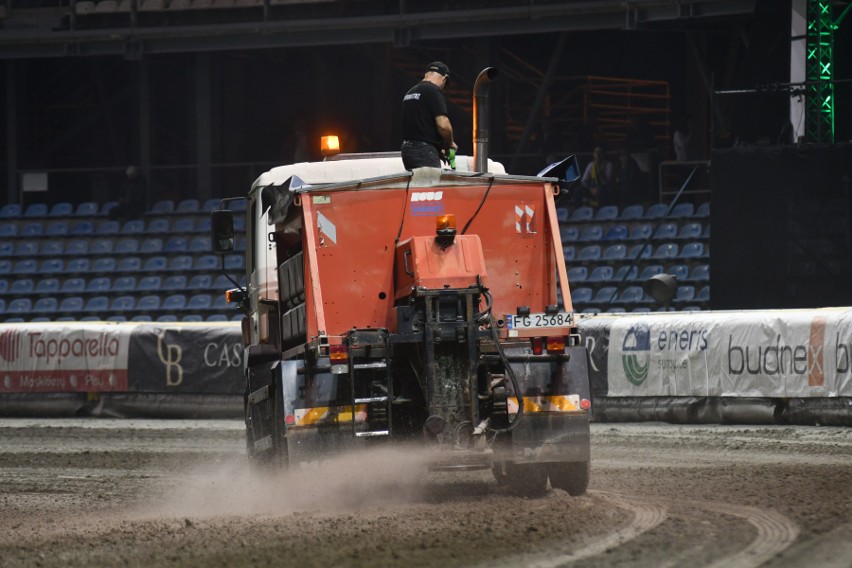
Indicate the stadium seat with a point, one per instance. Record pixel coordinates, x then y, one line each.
87 209
81 228
703 295
77 265
176 245
148 303
203 226
238 205
46 286
617 233
35 210
679 271
666 251
123 303
192 318
21 287
201 244
63 209
45 305
562 214
183 226
71 304
57 229
150 283
700 273
106 264
155 264
200 282
589 253
199 302
51 266
665 232
133 227
158 226
96 304
570 253
32 230
124 284
615 253
99 284
206 262
175 282
117 319
174 302
210 205
582 213
4 287
222 282
641 232
703 210
129 264
217 318
151 245
600 274
182 263
239 224
107 228
568 234
107 207
648 272
656 211
577 274
10 211
682 211
26 248
592 233
26 266
188 206
607 213
53 247
640 251
220 302
581 295
101 247
8 230
693 250
690 231
630 295
73 285
142 318
684 294
240 245
162 206
603 295
7 249
19 306
77 247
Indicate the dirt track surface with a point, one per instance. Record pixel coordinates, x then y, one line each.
95 492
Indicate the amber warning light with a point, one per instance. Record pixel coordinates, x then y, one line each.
445 229
330 145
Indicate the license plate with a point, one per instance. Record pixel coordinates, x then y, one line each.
538 321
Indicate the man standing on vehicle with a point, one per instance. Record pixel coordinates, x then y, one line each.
426 130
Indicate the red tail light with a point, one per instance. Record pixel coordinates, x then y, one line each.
338 353
556 344
585 404
537 345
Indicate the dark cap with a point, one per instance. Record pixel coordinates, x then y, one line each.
438 67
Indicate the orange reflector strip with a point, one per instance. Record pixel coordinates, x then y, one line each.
338 353
555 344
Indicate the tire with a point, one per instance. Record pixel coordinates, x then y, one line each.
572 477
527 480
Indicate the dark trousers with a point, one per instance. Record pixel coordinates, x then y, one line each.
416 154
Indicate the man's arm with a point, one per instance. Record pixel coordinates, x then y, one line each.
445 131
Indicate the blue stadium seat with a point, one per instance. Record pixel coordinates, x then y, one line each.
106 264
568 234
97 304
239 224
200 282
123 303
108 228
617 233
679 271
10 211
682 210
203 226
582 213
222 282
601 274
220 302
73 285
240 245
35 210
32 230
151 245
665 232
693 250
101 246
700 273
570 253
26 248
703 295
188 206
26 266
703 210
8 230
589 253
117 319
71 304
577 274
192 318
182 263
210 205
129 264
237 317
155 264
185 225
162 206
176 245
175 282
148 303
607 213
640 251
217 318
158 226
238 205
632 212
52 266
562 214
684 294
77 247
200 244
648 272
615 252
690 231
81 228
631 295
19 306
235 262
656 211
706 233
87 209
57 229
46 286
199 302
99 284
133 227
7 249
150 283
142 318
22 286
174 302
124 284
603 295
167 318
581 295
4 287
53 247
592 233
641 232
63 209
206 262
45 305
106 207
666 251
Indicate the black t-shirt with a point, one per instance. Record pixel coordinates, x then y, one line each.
420 105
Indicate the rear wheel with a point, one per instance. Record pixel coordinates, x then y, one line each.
572 477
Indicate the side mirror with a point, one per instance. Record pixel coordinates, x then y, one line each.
222 228
567 171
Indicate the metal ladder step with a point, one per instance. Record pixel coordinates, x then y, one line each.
373 365
372 434
371 400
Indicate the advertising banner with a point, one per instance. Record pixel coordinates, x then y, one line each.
784 354
63 358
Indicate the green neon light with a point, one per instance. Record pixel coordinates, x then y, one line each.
819 108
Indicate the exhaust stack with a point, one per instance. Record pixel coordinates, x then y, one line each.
481 118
